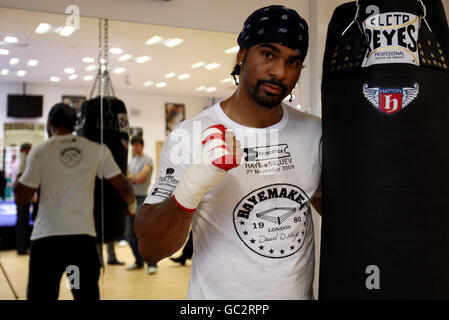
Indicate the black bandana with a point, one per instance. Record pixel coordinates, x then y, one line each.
276 24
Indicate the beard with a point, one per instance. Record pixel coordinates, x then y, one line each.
267 99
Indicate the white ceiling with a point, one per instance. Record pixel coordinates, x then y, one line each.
55 53
213 15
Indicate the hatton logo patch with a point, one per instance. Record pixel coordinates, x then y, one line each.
390 100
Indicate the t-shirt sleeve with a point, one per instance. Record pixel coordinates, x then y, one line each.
148 161
174 159
31 177
108 168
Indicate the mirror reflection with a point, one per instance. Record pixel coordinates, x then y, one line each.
85 107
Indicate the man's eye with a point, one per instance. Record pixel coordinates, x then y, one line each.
293 63
267 54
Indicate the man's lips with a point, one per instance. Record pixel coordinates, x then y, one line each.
272 89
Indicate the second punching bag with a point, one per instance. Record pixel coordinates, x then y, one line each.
111 225
385 98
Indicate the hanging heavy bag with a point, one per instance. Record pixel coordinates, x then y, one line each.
111 225
385 108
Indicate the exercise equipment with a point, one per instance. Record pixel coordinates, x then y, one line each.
385 113
104 119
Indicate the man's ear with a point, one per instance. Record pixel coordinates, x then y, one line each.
241 57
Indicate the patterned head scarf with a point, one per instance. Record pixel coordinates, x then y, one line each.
276 24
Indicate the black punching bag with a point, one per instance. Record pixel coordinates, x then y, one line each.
385 109
115 136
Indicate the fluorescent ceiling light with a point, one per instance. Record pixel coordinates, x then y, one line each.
4 72
14 61
55 79
211 66
172 42
170 75
143 59
232 50
148 83
73 77
211 89
67 31
125 57
102 60
92 67
298 106
226 80
183 76
10 39
161 84
32 63
69 70
21 73
154 40
202 88
88 78
88 60
119 70
116 50
198 65
4 52
43 28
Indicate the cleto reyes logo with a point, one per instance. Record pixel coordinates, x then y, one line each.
392 38
390 100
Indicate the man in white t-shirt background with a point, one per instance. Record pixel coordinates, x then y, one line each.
243 174
64 238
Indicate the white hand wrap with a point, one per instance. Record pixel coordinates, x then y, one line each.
200 178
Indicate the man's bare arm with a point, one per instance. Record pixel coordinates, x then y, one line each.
316 203
141 176
124 188
22 193
161 229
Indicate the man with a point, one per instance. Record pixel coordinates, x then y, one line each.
23 211
63 237
251 217
139 174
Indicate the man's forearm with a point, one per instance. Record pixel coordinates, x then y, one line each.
161 229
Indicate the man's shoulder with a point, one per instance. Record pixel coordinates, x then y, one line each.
304 118
147 158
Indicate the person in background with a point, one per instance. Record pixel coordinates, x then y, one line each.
64 236
23 211
139 174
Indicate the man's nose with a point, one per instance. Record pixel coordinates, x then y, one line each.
277 70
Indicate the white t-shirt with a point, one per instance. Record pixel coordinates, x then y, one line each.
253 232
65 168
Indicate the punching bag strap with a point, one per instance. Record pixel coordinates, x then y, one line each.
103 62
356 20
423 17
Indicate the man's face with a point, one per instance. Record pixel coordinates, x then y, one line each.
137 149
269 72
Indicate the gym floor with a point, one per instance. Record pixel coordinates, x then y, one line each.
171 282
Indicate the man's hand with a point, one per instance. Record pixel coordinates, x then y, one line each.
221 152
